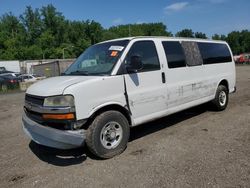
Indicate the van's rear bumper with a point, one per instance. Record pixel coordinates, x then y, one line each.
61 139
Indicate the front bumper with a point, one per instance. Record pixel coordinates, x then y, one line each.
61 139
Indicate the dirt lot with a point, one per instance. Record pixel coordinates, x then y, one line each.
194 148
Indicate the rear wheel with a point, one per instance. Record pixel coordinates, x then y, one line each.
221 98
108 134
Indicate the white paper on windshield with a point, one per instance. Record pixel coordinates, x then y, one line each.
116 48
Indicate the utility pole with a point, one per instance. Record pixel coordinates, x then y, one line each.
129 31
63 52
65 49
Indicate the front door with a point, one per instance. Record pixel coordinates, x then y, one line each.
146 88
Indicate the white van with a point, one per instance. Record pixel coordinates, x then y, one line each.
121 83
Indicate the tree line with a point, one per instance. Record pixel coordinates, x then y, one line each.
46 34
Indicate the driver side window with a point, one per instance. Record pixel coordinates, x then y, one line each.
147 51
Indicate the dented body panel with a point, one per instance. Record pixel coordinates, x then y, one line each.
97 93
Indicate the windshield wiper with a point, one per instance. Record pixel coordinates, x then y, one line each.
79 72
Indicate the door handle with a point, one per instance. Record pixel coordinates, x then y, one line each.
163 77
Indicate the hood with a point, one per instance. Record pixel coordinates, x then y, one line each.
55 85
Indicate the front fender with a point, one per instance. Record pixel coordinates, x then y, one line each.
95 109
112 106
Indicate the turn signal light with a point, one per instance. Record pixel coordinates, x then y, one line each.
59 116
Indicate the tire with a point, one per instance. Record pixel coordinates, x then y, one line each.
221 98
108 134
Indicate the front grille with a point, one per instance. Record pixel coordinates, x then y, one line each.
34 99
37 117
57 124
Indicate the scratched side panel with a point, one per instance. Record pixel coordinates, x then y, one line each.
146 93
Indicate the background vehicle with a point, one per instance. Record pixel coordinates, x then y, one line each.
3 84
244 58
8 82
2 69
14 74
5 71
38 77
27 78
117 84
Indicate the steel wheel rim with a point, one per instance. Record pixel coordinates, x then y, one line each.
222 98
111 135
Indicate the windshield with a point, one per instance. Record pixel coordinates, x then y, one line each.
98 59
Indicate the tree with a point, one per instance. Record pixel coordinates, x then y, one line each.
108 35
149 29
53 22
245 40
32 23
11 36
233 40
94 31
11 25
47 42
32 52
188 33
200 35
216 37
44 33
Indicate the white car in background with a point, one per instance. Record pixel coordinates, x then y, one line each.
38 77
27 78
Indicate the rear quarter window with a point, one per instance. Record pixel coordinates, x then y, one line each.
214 53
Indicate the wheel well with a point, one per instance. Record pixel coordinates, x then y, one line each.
224 83
115 107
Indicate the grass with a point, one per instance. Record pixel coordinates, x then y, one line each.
10 90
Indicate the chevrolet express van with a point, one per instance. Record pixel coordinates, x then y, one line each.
118 84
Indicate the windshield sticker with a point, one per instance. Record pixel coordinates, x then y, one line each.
116 48
114 53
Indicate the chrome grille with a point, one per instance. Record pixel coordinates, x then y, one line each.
37 100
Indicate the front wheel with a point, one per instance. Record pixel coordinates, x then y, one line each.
221 98
108 134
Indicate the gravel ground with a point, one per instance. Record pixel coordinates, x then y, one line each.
194 148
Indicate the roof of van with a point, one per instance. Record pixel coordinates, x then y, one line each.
164 37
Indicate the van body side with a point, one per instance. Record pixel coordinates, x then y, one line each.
146 78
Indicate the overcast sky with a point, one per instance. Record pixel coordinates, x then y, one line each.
208 16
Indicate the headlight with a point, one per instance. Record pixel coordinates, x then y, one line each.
59 101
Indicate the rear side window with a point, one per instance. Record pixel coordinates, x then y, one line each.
174 54
192 53
148 53
214 53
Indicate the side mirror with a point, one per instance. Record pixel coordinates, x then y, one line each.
135 64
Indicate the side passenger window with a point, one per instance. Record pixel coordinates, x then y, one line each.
147 51
192 53
214 53
174 54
